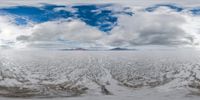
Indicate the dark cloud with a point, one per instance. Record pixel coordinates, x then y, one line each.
23 38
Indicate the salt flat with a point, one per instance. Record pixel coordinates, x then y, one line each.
100 75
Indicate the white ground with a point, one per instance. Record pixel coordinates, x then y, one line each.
144 94
127 75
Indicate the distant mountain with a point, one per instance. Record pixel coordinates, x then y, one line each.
83 49
120 49
74 49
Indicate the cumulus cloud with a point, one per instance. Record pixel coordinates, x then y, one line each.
9 31
56 32
163 27
150 29
66 30
52 32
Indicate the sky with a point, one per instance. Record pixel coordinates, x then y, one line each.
99 24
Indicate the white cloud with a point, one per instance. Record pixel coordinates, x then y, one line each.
9 31
67 8
14 35
74 30
158 28
163 27
124 2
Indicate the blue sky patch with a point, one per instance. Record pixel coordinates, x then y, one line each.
35 14
195 11
93 15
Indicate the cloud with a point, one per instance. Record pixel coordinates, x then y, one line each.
161 27
158 28
9 31
73 30
6 3
96 15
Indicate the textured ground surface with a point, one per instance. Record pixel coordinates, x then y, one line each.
100 75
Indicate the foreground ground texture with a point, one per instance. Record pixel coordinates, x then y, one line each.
100 75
